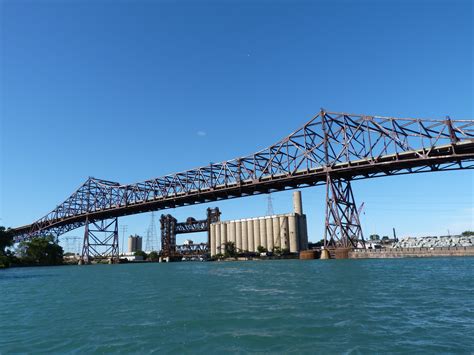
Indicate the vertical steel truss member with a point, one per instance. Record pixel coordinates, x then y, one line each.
343 228
168 235
101 240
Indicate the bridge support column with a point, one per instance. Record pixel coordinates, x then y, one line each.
343 229
100 241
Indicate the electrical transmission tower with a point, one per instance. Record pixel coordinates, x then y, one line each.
270 211
151 243
73 245
124 230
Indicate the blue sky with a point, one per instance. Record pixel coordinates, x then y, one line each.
130 90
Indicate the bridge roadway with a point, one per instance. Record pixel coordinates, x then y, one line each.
387 165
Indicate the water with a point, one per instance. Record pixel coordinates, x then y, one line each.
334 306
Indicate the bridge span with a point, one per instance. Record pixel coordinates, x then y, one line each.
332 148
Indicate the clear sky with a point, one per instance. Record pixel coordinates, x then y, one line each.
131 90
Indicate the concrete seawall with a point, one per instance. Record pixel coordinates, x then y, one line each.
411 253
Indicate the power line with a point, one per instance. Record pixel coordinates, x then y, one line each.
73 245
151 242
270 211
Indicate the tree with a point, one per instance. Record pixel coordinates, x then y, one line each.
261 249
41 251
153 256
467 233
6 256
218 256
319 244
374 237
4 262
6 239
277 251
230 250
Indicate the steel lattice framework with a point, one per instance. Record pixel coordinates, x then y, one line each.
331 147
100 241
189 250
170 227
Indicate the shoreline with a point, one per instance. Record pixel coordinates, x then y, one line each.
411 253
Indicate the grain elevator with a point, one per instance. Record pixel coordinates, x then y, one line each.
285 231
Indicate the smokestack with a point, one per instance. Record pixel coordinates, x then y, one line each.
297 203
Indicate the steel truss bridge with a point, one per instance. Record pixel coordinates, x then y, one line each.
332 148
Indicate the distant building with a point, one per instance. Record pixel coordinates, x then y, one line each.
373 244
134 243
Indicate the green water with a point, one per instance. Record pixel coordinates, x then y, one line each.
333 306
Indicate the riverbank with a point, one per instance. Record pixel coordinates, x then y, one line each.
411 253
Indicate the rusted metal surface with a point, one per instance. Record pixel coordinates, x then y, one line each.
168 235
330 147
308 254
170 228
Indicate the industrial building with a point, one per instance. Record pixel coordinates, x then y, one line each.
134 243
285 231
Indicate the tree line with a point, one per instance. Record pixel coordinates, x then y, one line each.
33 252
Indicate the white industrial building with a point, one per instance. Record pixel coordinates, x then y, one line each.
286 231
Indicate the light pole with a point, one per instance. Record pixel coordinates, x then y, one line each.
124 229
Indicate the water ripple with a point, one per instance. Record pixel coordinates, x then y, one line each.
341 306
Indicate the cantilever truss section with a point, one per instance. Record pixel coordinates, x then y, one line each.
348 146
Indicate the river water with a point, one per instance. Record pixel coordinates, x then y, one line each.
331 306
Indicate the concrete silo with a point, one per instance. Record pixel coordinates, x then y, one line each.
284 236
288 231
263 232
276 231
293 233
250 244
245 240
269 230
256 234
218 238
238 235
213 239
223 236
